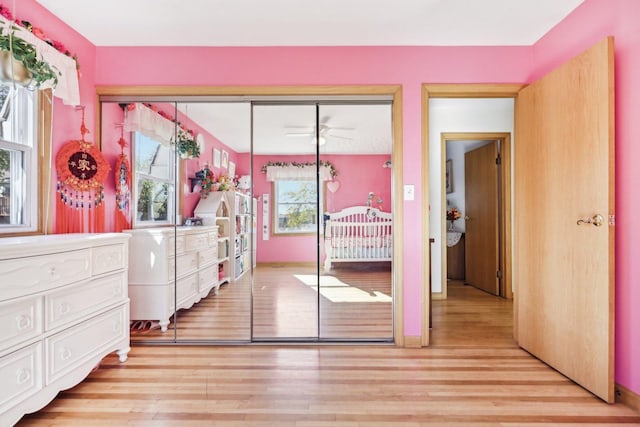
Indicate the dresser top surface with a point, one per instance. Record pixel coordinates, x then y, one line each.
14 247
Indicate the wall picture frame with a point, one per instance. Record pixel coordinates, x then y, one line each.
448 176
232 170
225 159
216 158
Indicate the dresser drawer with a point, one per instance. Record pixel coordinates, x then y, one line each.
176 244
21 321
24 276
108 258
186 290
207 277
68 349
74 303
186 264
20 375
207 256
196 242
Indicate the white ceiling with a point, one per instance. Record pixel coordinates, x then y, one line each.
306 23
290 129
310 22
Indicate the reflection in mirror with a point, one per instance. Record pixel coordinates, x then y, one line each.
356 300
182 282
284 178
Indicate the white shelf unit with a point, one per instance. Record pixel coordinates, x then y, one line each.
231 212
242 225
216 210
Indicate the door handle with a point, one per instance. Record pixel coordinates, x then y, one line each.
597 220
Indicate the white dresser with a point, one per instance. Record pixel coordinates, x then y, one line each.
63 307
160 257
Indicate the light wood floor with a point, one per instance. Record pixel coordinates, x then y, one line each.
355 302
473 375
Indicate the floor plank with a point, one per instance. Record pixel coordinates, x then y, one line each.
472 375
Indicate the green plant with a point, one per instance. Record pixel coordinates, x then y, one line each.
187 144
26 54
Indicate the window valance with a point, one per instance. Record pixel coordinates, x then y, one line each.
298 171
140 118
67 88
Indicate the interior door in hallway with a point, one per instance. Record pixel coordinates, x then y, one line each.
481 205
564 197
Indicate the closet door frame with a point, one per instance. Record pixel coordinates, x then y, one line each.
319 93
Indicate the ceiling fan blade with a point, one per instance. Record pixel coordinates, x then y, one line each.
294 134
330 135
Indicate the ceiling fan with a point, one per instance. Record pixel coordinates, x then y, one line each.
326 131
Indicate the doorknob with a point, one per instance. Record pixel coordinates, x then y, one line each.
596 220
466 218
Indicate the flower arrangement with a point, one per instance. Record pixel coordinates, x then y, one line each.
207 181
34 70
453 214
39 33
187 145
326 163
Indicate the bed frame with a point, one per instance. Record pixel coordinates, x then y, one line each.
357 234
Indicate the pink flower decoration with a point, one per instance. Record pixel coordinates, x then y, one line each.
39 33
6 13
131 107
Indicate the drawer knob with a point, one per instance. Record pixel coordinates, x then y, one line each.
22 376
52 271
23 321
65 353
116 326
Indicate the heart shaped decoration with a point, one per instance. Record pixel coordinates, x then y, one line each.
333 186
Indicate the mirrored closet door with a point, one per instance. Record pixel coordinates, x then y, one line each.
253 221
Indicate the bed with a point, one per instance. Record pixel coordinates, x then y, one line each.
357 234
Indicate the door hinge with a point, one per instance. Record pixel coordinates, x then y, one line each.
498 160
612 220
499 274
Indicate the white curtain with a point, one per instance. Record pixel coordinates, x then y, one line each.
293 173
143 119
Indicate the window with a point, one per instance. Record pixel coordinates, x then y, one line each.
296 206
19 166
154 181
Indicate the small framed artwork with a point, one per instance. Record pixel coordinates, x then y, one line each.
216 158
225 159
448 176
232 170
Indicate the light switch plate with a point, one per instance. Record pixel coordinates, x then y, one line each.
409 192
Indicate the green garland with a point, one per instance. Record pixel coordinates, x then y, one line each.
326 163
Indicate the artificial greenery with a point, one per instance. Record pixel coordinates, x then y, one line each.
26 53
187 145
332 171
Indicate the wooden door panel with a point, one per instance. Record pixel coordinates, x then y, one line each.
564 171
481 227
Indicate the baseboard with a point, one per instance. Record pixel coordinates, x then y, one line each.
412 341
286 264
627 397
438 295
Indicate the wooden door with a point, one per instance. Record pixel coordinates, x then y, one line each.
564 172
481 208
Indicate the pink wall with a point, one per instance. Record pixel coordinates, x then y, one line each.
355 185
66 119
591 22
408 66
